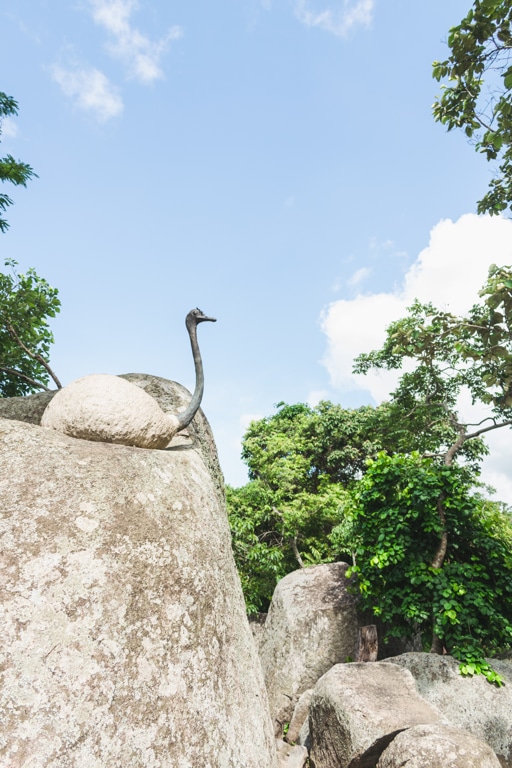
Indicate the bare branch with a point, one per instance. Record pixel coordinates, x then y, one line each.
31 354
20 375
297 553
488 429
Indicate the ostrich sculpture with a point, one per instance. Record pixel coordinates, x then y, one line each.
109 409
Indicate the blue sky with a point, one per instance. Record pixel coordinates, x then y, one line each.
273 162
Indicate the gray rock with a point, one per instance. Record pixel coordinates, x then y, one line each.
171 397
470 703
110 409
124 636
358 709
289 756
311 625
437 746
299 717
28 409
304 736
257 623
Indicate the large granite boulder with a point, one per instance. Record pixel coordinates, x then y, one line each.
437 746
124 636
470 703
311 625
357 710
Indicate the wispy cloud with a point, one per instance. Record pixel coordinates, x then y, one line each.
8 128
340 19
90 90
137 51
358 277
316 396
247 418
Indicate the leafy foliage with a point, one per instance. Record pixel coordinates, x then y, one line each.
301 462
394 488
478 96
485 339
452 355
26 302
11 170
434 537
266 539
295 448
466 603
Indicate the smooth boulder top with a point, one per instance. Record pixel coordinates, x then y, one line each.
467 702
109 409
437 746
311 625
357 709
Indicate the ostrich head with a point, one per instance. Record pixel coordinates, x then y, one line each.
196 316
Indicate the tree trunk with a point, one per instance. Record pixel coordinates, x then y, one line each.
440 553
368 643
437 645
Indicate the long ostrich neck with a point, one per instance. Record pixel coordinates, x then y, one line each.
186 417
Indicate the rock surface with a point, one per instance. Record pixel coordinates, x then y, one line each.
257 623
470 703
311 625
28 409
170 396
289 756
299 717
125 641
437 746
110 409
358 709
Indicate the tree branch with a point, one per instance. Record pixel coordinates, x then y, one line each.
33 382
488 429
31 354
297 553
457 445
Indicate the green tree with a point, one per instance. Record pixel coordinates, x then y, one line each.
26 303
270 541
450 355
478 95
466 603
395 489
11 170
301 461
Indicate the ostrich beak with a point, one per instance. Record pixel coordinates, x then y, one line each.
209 319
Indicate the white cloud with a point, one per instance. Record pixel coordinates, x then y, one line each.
358 277
338 20
9 129
246 419
140 54
90 89
449 273
316 396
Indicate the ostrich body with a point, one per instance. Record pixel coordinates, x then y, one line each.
109 409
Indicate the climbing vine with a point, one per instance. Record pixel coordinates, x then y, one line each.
466 601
